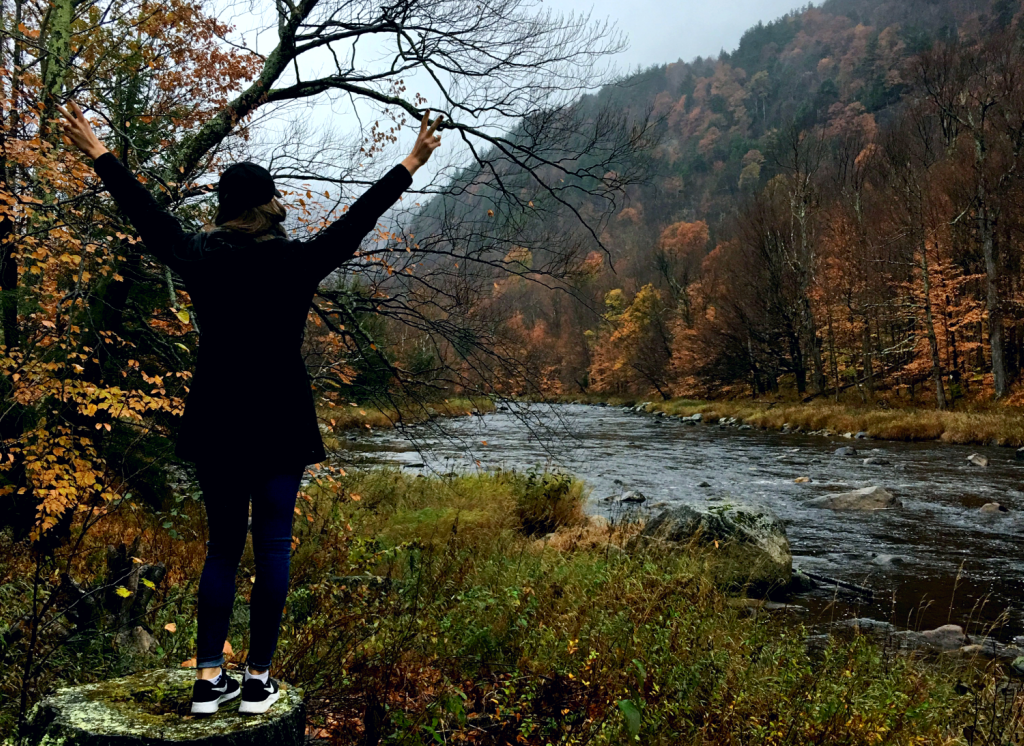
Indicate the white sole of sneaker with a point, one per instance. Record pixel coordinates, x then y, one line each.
208 708
258 708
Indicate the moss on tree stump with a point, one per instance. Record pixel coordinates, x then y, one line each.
153 708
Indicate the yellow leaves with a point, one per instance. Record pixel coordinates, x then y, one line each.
148 583
183 316
490 213
171 627
355 497
123 592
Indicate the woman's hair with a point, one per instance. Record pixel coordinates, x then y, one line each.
262 222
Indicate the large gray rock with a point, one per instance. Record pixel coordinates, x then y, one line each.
946 637
633 497
153 708
750 548
994 508
869 498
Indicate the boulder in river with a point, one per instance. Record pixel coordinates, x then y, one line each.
847 451
869 498
801 583
153 708
633 497
946 637
746 544
994 508
977 459
876 461
886 560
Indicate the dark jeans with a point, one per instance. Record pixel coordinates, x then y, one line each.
226 493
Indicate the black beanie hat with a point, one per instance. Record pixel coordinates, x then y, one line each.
243 186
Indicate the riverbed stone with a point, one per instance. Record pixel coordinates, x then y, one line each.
749 544
868 626
801 583
846 451
876 461
153 708
946 637
633 496
993 508
869 498
886 560
978 460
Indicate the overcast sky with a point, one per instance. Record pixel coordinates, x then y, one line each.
657 31
663 31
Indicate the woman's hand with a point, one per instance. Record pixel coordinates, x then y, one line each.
426 143
79 131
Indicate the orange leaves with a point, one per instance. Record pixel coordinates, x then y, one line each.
685 239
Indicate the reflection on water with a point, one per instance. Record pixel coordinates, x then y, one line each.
950 562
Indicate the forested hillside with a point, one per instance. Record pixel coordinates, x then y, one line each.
832 206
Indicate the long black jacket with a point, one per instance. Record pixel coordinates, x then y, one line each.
250 395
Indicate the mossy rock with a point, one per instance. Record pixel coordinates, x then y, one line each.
153 708
751 550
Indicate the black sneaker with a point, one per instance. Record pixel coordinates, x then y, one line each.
206 697
257 697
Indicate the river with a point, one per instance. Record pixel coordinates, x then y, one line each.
951 563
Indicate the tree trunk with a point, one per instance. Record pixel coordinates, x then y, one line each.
869 363
799 369
933 342
986 235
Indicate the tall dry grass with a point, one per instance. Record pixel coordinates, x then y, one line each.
981 425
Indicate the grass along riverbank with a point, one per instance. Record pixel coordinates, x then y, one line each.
356 416
976 424
428 610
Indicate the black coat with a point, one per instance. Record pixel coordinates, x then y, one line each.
250 396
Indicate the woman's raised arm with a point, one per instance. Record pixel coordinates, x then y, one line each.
337 243
160 231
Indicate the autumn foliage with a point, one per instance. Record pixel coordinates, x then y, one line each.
835 212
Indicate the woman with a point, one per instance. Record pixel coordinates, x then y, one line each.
249 421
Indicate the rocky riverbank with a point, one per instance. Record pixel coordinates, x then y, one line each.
983 424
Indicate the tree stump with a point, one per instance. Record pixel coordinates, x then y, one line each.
153 708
